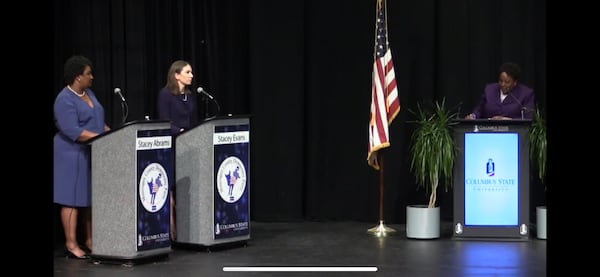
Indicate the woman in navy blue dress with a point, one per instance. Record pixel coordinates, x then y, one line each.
78 116
177 104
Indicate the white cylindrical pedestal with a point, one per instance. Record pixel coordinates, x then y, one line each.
541 222
422 222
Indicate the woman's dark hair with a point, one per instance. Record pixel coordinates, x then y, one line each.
512 69
172 85
74 67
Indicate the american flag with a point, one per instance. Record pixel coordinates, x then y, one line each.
385 103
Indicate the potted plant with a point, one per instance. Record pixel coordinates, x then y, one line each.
432 155
538 155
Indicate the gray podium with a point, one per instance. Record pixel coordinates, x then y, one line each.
212 182
132 169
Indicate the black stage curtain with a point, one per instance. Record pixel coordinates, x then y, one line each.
302 69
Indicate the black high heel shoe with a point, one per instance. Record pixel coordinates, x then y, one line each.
86 249
70 255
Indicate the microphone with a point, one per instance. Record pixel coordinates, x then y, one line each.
523 108
201 90
124 107
118 91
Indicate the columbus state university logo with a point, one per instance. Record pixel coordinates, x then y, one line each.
490 168
231 179
154 187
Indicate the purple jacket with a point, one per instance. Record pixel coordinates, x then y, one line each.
521 98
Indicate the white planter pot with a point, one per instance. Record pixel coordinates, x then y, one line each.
422 222
541 222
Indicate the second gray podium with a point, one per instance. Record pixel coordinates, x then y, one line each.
212 193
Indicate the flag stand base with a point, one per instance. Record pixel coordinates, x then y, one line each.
381 230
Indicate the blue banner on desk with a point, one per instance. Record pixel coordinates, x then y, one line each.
154 178
231 153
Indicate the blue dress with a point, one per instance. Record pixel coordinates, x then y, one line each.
72 169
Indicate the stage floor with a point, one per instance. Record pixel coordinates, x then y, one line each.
322 248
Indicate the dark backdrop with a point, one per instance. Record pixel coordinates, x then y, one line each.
302 69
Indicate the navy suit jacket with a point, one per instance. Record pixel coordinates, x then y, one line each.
180 109
521 98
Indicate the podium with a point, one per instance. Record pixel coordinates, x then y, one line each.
132 169
491 179
212 169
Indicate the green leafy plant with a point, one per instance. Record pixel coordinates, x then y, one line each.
433 150
538 143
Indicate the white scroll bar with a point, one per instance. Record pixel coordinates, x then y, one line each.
300 268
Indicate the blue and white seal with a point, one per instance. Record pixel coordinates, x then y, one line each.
231 179
154 187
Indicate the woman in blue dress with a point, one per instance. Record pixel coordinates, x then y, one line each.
78 117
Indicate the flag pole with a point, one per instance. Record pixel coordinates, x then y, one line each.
381 230
384 99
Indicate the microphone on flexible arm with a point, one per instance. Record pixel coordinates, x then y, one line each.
523 108
458 110
124 107
118 91
202 91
